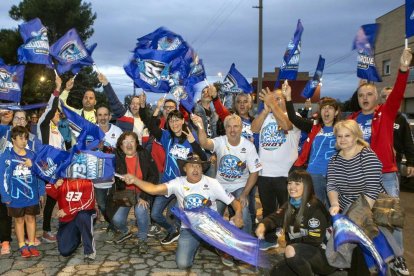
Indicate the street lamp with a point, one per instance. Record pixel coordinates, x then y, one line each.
42 78
220 76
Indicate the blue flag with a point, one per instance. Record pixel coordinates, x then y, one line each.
88 135
346 231
213 229
235 82
36 43
364 44
15 106
290 63
52 163
409 18
196 74
156 65
312 84
71 53
11 82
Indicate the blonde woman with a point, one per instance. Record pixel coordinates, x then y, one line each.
354 170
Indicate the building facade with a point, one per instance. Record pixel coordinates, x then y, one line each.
388 48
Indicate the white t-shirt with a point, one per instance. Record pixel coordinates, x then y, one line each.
278 149
235 163
193 195
111 136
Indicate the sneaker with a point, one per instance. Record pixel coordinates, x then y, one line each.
171 237
399 266
90 257
5 248
123 237
48 237
24 251
265 245
33 251
142 247
226 259
153 231
37 242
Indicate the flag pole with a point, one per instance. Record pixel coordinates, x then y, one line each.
406 43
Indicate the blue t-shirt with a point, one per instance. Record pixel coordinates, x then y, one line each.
18 183
365 122
323 147
173 151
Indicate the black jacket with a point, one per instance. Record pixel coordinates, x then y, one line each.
148 169
403 140
316 220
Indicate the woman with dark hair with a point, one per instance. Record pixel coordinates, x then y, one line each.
178 142
304 220
320 145
132 158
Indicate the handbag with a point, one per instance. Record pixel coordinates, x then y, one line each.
125 197
387 211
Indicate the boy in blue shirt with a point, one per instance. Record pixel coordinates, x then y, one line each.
21 190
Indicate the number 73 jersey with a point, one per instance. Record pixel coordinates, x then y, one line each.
73 195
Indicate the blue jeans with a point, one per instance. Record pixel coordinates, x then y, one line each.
319 186
101 195
392 187
142 216
188 243
160 202
391 184
247 220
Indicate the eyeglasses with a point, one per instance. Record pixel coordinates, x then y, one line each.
128 142
22 119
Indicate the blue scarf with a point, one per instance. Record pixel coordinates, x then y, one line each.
295 202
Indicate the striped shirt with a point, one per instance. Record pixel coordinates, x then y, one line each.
351 177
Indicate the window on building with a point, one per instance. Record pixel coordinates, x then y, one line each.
386 67
411 75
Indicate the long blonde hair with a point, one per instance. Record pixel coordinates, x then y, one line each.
352 126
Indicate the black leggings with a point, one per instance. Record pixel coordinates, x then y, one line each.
5 224
47 213
308 260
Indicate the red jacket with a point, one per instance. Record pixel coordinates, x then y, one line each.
73 196
307 146
382 128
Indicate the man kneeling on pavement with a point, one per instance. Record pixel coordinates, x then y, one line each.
185 188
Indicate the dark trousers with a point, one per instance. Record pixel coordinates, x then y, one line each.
308 260
5 224
273 194
47 213
70 233
101 196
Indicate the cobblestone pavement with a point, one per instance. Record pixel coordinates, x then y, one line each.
119 259
123 259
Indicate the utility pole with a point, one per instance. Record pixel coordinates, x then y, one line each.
260 51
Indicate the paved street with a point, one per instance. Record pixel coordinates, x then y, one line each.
123 259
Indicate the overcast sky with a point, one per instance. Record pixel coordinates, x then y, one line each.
226 31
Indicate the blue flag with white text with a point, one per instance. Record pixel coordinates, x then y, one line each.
375 251
36 43
156 65
290 63
88 135
11 82
364 44
50 162
235 82
312 84
213 229
409 18
71 53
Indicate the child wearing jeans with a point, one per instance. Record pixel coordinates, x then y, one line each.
21 190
